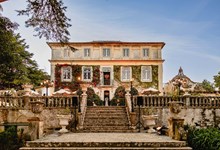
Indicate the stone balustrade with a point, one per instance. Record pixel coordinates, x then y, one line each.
148 101
187 101
22 102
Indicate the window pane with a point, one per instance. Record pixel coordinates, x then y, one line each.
86 52
146 73
126 73
87 74
126 52
145 52
106 52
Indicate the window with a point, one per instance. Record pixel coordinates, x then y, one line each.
126 52
87 73
66 53
66 74
106 52
155 54
86 52
146 74
145 52
125 73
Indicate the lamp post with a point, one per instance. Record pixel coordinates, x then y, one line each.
47 84
79 95
132 103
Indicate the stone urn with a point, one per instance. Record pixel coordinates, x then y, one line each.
175 107
27 89
149 121
37 107
64 121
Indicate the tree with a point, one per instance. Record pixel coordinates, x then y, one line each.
48 19
217 80
208 86
16 65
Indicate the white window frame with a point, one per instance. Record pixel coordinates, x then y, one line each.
106 52
126 52
88 77
126 74
87 52
145 52
146 73
66 73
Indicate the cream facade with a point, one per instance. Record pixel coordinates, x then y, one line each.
118 62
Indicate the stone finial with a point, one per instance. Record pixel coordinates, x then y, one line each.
180 72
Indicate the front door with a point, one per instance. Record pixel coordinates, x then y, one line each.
106 98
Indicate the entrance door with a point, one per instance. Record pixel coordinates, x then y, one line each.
106 98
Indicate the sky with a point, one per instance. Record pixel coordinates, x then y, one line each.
190 29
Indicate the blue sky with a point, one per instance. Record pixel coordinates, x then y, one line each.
190 29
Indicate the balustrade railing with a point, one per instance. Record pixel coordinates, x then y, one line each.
49 101
148 101
187 101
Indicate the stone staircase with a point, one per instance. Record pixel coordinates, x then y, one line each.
106 119
101 141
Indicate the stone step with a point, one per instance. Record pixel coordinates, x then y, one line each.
105 128
105 112
105 107
106 117
88 124
104 148
107 144
108 131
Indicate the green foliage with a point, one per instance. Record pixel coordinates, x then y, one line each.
16 64
48 19
204 139
119 96
10 140
217 80
74 84
208 86
134 91
92 97
136 75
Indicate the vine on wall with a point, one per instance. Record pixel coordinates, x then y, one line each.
136 75
76 72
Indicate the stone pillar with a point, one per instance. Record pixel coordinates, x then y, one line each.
35 128
133 118
175 127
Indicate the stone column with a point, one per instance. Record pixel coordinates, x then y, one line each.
35 128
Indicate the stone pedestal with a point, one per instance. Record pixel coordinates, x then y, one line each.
133 119
175 124
36 128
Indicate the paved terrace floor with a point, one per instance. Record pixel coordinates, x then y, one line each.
106 137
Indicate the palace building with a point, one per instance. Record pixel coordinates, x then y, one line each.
106 65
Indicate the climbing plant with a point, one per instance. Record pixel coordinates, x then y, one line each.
136 75
92 97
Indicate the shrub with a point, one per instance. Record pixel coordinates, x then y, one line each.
9 139
204 139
